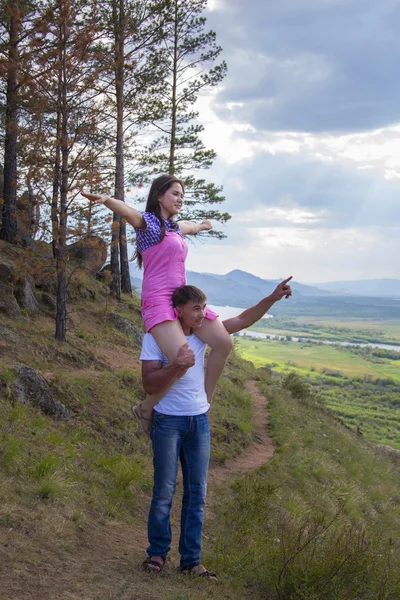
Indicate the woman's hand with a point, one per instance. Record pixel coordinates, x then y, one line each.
206 225
188 228
98 198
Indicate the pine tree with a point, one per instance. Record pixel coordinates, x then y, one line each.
134 31
179 150
15 27
66 76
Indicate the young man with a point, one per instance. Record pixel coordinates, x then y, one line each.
180 429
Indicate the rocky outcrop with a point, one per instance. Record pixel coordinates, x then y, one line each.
88 253
31 388
7 271
8 304
127 327
39 264
16 289
23 292
388 451
24 269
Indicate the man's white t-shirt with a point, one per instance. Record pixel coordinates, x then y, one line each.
187 397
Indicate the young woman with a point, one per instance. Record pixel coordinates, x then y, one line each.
162 250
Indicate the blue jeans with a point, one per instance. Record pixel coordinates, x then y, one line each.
187 439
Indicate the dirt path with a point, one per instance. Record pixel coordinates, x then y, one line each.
255 455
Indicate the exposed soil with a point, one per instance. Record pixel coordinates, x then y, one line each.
46 559
255 455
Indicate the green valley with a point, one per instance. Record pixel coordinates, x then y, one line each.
361 385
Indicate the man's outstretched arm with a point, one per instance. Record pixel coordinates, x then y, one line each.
255 313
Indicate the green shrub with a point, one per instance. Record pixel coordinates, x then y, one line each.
296 386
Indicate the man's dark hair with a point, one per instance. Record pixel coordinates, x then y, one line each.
183 294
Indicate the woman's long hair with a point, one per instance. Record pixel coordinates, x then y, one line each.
158 188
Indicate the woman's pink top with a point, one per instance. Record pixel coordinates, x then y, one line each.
164 268
164 271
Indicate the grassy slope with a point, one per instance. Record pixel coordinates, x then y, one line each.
74 496
321 520
86 482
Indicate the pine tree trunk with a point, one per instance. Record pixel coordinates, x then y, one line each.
115 272
56 170
171 168
126 285
8 231
89 219
120 27
62 291
61 314
32 204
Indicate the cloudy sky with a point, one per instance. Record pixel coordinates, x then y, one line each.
307 130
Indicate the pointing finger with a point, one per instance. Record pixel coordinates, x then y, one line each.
284 282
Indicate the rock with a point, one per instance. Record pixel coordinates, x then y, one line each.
8 303
31 388
89 253
105 272
11 251
15 281
126 326
49 301
39 264
24 294
388 451
7 271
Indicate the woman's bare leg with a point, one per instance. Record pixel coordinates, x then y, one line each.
170 339
214 334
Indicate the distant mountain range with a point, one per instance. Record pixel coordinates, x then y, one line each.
377 288
239 288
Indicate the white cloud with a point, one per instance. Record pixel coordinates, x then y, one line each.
377 150
296 71
307 254
215 5
287 212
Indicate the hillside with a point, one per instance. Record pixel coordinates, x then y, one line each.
74 494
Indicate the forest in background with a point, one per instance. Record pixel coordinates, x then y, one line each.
100 95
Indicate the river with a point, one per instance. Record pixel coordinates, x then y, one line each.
227 312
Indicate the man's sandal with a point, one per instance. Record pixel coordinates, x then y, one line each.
153 566
145 423
197 570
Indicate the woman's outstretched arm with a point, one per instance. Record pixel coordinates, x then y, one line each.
189 228
130 214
